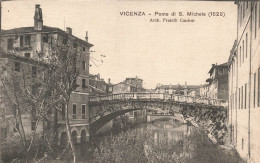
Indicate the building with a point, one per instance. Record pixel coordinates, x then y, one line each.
129 85
244 82
97 85
123 87
109 87
178 89
137 82
218 82
26 51
204 89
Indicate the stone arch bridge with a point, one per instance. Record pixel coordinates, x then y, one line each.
102 109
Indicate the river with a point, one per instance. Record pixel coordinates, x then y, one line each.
165 129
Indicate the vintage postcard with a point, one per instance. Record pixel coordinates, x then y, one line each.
129 81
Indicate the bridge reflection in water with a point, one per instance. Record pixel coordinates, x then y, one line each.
166 130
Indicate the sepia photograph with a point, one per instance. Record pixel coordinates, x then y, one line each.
129 81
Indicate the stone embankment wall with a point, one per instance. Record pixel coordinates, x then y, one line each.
213 120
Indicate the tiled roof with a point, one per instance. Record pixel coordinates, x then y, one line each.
27 30
177 86
214 66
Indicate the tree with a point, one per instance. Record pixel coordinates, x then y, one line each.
48 91
63 71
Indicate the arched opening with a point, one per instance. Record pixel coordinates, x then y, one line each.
63 139
83 136
74 136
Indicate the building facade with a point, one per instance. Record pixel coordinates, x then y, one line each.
129 85
218 82
244 82
26 48
97 85
192 90
137 82
204 89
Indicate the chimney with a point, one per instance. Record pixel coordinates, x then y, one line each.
86 38
69 31
38 22
108 80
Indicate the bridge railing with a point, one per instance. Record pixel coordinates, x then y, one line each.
156 96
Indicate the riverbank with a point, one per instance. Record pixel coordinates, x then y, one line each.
223 146
145 145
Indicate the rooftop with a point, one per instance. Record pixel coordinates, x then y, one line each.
45 29
215 66
177 86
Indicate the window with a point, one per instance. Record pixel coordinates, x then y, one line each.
33 126
235 99
10 44
28 41
258 87
239 98
243 49
131 113
241 13
21 41
74 111
254 89
34 71
84 83
83 111
246 44
255 19
75 45
240 55
259 17
84 49
231 101
17 66
45 39
64 41
242 144
27 55
83 65
242 97
220 71
16 128
245 94
243 10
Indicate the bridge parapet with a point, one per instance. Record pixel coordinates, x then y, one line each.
159 96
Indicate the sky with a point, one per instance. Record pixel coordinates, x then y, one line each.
157 52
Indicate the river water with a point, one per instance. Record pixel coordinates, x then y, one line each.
163 129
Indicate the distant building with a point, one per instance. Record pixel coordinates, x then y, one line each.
129 85
137 82
97 86
204 90
123 88
109 87
178 89
218 82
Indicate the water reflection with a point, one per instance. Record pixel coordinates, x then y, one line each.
170 130
162 130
